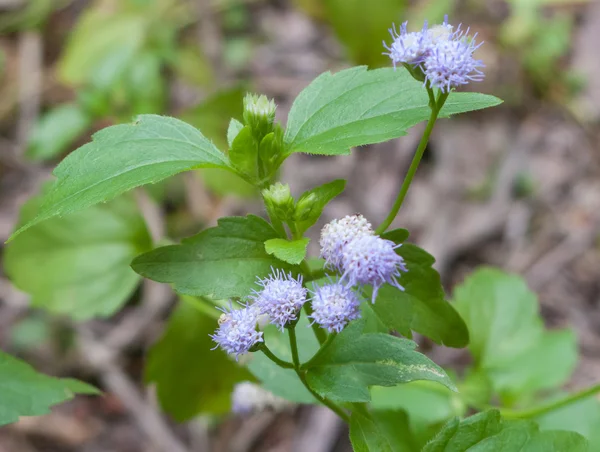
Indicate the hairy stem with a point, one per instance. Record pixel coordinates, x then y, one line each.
269 354
302 375
551 406
435 110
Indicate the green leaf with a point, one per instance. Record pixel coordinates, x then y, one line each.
221 262
123 157
396 235
311 204
508 340
85 258
355 361
384 431
421 306
234 128
191 378
244 152
293 252
355 107
24 392
487 432
285 382
373 21
56 131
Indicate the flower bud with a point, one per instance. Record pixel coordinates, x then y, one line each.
279 201
304 207
259 114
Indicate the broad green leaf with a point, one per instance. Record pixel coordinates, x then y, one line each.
284 382
78 265
396 235
56 131
384 431
355 361
191 378
310 205
373 19
123 157
232 131
290 251
355 107
421 307
425 402
25 392
508 340
487 432
101 35
221 262
244 152
582 417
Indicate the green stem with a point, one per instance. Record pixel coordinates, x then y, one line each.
280 362
543 409
413 166
302 375
321 350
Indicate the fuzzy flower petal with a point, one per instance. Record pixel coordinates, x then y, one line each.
372 260
334 305
237 333
281 298
410 48
337 234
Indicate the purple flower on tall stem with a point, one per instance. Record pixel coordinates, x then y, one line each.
237 332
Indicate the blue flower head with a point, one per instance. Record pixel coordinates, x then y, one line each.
374 261
337 234
237 333
408 47
334 305
281 298
450 62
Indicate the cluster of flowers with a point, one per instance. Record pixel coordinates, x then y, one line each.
350 247
442 54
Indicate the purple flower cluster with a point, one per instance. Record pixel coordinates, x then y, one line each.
237 332
281 298
351 247
444 56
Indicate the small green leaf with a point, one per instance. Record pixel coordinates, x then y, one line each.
221 262
24 392
244 152
383 431
123 157
232 131
396 235
487 432
85 258
508 340
355 107
293 252
421 306
56 131
311 204
191 378
285 382
356 361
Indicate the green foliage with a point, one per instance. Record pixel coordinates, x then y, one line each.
221 262
487 432
384 431
354 361
78 265
310 205
508 340
24 392
284 382
56 131
189 381
243 153
421 306
355 107
373 19
290 251
123 157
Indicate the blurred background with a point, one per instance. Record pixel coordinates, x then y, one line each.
517 186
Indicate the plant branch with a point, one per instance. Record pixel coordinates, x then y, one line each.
269 354
551 406
414 164
324 346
